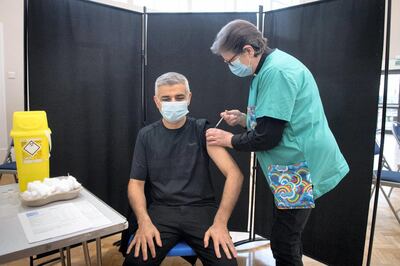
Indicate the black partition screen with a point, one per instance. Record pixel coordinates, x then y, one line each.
84 71
181 43
341 43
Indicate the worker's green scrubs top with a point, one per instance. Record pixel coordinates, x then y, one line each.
285 89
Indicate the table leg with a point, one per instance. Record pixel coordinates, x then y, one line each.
68 256
62 258
98 251
86 253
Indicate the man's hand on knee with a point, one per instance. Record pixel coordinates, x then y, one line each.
220 235
144 237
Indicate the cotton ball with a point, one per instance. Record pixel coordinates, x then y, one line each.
64 183
34 195
52 189
63 187
60 186
56 184
56 187
49 182
74 181
26 195
70 184
77 184
33 186
70 177
50 186
41 191
36 186
30 186
45 189
69 180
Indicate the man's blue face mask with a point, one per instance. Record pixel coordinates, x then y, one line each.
240 69
173 112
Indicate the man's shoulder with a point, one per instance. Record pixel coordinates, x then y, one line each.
149 128
199 123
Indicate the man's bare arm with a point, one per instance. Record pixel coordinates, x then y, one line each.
137 200
146 230
233 184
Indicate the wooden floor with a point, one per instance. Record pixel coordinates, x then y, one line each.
386 248
258 255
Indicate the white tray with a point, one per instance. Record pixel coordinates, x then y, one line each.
55 197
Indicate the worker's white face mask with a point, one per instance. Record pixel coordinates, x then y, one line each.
173 112
240 69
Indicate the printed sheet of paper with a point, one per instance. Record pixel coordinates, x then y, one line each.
96 218
54 221
61 219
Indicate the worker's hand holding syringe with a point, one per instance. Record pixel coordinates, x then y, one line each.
234 117
223 138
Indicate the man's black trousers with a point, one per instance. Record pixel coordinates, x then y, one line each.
187 223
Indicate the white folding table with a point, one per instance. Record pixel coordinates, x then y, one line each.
14 244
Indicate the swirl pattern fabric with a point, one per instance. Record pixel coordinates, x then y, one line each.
291 186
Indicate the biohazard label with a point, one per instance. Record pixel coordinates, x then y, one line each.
31 147
32 150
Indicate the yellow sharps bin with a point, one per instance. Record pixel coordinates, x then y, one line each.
32 144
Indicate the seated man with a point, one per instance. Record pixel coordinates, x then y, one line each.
172 156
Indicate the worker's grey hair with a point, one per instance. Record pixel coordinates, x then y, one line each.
235 35
171 78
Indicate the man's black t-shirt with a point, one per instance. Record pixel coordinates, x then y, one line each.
175 162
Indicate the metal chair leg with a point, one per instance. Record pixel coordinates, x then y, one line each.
98 252
390 205
15 178
390 191
86 253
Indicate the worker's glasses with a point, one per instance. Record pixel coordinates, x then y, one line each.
229 62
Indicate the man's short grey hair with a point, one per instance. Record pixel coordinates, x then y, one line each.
235 35
170 79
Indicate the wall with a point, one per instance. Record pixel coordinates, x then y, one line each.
395 30
126 4
11 16
3 116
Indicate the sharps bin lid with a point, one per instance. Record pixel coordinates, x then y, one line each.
29 121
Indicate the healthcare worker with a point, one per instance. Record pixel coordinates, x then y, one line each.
286 126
